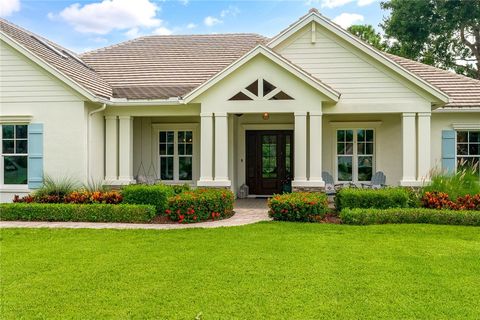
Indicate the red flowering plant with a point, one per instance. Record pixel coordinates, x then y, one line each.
441 200
200 205
298 206
78 197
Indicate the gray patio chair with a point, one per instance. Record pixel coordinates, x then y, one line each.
330 186
378 181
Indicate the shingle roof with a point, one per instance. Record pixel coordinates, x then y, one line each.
63 60
462 91
162 66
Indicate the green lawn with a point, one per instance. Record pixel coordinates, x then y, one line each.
267 270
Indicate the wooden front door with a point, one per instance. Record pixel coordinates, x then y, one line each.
269 161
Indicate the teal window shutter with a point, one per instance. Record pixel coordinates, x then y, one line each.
35 155
448 150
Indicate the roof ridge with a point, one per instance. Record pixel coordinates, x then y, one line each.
169 37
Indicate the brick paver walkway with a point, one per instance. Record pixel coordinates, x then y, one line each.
247 211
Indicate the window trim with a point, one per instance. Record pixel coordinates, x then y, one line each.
176 127
355 152
475 129
12 187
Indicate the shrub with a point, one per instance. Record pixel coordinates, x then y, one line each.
441 200
456 185
78 197
409 215
156 195
298 206
179 188
76 212
200 205
53 190
372 198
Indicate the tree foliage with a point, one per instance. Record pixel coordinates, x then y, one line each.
443 33
368 34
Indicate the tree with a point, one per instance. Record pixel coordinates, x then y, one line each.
368 34
442 33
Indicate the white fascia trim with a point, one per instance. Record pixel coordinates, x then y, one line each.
330 93
52 70
377 55
143 102
456 109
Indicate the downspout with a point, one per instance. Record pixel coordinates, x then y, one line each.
89 145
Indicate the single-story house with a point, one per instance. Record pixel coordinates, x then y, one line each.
226 110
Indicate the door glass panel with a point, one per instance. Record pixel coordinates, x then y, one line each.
365 167
345 168
269 156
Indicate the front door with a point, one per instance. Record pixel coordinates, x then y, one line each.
269 163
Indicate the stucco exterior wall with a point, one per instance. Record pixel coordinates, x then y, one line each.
26 89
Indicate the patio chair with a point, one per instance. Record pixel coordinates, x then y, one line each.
378 181
330 186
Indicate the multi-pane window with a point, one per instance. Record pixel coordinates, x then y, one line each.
14 154
468 150
185 155
176 155
355 154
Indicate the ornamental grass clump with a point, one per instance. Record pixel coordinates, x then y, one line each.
459 184
200 205
298 206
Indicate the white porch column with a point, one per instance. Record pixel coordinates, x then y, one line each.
424 147
300 149
125 150
221 150
315 179
111 148
409 149
206 149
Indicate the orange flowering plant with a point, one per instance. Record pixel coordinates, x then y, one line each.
441 200
200 205
298 206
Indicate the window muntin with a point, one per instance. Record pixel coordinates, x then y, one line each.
176 155
355 154
14 159
468 150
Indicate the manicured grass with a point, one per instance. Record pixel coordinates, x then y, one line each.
268 270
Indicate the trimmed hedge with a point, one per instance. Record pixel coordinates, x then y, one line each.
410 215
200 205
298 206
76 212
155 195
372 198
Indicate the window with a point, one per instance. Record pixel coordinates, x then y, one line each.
14 154
176 155
468 149
270 92
355 155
